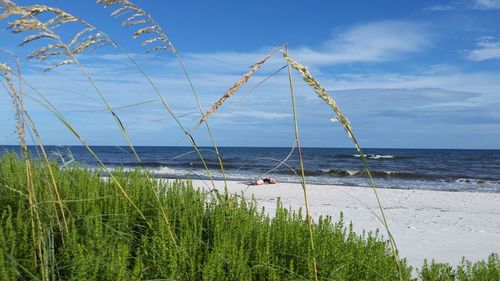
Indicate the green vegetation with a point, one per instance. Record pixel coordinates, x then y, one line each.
465 271
108 239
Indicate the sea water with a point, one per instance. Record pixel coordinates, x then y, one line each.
436 169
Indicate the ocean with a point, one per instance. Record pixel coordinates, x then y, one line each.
435 169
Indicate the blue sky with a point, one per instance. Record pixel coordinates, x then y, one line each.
415 74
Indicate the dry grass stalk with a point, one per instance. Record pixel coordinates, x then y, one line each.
147 25
5 71
323 94
233 89
140 17
314 268
37 229
17 102
17 97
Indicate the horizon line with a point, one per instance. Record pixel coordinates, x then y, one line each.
236 146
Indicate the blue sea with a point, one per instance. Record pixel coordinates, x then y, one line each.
436 169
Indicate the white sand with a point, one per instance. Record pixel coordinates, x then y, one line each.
426 224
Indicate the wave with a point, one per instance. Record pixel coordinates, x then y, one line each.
186 164
389 179
162 169
375 156
355 173
196 170
369 156
475 181
374 173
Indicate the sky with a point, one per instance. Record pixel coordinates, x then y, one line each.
407 74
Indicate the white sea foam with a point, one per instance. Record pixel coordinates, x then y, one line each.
375 156
352 172
168 171
476 181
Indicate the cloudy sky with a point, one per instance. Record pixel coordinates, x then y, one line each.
408 74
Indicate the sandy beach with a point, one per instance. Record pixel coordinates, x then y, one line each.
440 225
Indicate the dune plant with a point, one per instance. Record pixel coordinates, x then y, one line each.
109 240
38 229
487 270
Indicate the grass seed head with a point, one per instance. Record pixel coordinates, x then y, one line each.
66 52
321 92
145 23
233 89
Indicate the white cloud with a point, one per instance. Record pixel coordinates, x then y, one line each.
440 8
257 114
484 83
486 49
466 4
372 42
486 4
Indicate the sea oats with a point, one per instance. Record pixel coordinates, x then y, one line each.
36 37
321 92
137 17
66 53
233 89
146 25
28 21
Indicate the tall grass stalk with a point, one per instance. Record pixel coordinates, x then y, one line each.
116 44
176 118
25 116
323 94
302 172
37 230
212 137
